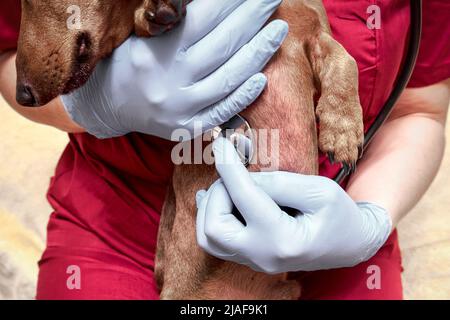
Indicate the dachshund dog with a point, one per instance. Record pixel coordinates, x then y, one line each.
312 80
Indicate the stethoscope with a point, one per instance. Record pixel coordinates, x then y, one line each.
238 125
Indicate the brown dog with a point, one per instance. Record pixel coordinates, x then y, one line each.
309 64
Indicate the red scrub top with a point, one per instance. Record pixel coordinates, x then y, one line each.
107 194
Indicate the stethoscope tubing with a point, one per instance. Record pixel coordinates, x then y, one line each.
402 80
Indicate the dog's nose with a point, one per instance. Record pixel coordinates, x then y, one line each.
25 96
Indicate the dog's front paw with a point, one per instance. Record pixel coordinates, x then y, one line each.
342 134
155 17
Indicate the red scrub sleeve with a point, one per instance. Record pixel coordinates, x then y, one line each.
9 24
433 64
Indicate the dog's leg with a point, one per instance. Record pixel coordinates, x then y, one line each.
339 111
165 229
185 264
189 272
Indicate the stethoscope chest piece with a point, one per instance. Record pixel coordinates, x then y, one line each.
238 131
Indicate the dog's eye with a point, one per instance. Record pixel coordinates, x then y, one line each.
84 44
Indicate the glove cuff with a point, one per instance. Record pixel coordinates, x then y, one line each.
83 113
381 223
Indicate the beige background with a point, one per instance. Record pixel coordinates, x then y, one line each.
28 155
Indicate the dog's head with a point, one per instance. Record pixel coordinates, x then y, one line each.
61 41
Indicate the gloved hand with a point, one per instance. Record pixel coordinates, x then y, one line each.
205 71
331 232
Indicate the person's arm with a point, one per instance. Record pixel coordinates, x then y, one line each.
52 114
405 155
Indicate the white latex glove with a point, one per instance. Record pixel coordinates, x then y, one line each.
205 71
331 232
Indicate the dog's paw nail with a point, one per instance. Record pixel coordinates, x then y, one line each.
347 168
360 151
353 167
331 157
150 15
